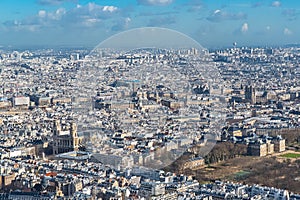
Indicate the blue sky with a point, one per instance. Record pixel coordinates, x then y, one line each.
87 23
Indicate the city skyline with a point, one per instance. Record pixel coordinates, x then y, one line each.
73 23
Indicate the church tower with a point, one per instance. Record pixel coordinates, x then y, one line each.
73 130
250 94
56 127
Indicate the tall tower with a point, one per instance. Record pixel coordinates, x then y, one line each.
157 97
73 130
56 127
56 135
250 94
74 140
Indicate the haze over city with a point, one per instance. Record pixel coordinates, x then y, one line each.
86 23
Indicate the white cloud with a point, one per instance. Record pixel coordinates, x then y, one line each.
217 11
276 4
60 11
42 13
287 31
219 15
244 28
57 15
110 8
127 20
90 15
121 24
90 22
194 5
155 2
